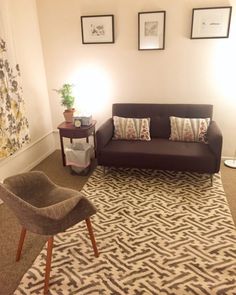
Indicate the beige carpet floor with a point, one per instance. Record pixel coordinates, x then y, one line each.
11 272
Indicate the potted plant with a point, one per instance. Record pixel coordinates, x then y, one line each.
67 100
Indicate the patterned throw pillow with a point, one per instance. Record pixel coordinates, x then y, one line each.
189 129
131 128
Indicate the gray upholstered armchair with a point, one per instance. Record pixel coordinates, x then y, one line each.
44 208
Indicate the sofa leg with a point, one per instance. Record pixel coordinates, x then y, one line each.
211 175
105 170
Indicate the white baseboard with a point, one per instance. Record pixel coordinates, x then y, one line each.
33 164
226 158
40 159
28 157
24 149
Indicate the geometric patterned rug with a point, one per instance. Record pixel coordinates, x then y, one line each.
157 232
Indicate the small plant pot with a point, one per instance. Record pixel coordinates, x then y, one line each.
68 115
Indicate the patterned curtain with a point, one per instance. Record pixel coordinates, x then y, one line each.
14 127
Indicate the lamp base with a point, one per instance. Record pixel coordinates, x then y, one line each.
230 163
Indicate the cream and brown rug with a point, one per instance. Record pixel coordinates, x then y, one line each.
157 233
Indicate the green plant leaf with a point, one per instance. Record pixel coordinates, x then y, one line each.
67 98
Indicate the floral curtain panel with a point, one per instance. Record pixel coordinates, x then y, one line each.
14 127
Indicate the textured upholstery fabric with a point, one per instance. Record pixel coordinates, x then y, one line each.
131 128
215 141
160 152
43 207
159 114
189 129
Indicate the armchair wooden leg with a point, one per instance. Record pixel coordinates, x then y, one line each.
48 264
90 230
20 244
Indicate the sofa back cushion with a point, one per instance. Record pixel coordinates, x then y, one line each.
160 114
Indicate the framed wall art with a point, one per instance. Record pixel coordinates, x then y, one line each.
97 29
211 22
151 30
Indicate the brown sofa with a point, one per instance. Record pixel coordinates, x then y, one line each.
160 152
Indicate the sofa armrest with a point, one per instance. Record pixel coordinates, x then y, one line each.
215 140
104 134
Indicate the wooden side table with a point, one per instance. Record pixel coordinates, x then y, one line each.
68 130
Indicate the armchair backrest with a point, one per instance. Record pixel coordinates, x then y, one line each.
21 209
26 185
19 192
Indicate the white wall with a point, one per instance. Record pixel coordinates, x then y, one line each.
24 23
187 71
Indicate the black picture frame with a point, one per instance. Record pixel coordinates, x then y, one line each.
151 30
211 22
97 29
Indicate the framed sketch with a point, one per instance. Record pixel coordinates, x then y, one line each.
151 30
97 29
211 22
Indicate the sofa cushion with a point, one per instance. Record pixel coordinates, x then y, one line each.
189 129
159 153
131 128
159 114
160 127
